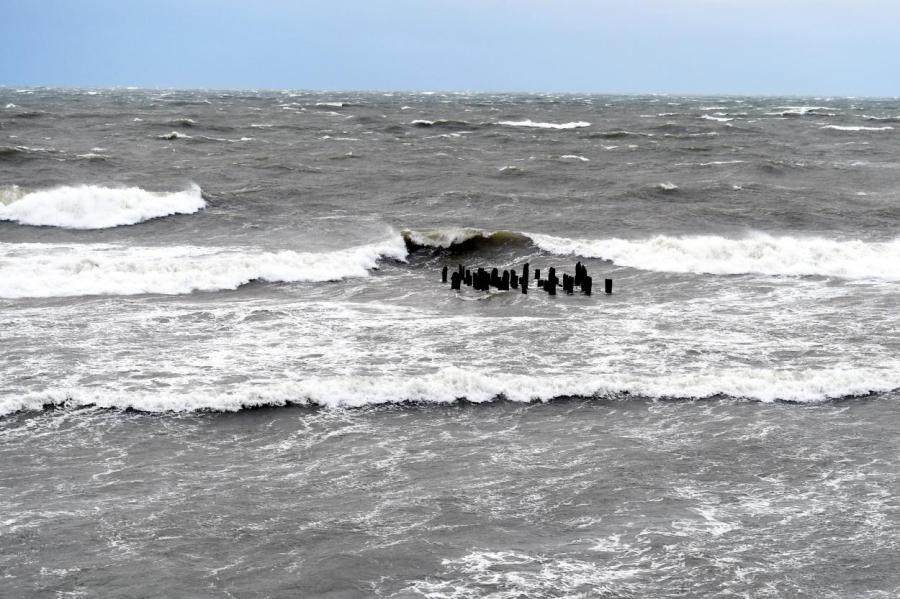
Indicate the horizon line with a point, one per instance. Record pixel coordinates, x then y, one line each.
17 87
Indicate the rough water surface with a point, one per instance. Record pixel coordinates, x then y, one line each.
228 366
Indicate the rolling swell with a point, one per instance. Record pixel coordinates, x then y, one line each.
461 239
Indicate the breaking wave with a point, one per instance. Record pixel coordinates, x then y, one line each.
452 384
95 207
756 254
29 270
461 238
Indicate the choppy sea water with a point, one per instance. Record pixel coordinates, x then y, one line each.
229 367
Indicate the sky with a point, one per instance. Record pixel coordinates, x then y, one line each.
765 47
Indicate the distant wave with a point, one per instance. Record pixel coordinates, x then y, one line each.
849 128
443 124
95 207
64 270
452 384
884 119
173 135
537 125
797 111
16 153
759 254
618 134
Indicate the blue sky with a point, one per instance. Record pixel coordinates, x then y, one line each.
798 47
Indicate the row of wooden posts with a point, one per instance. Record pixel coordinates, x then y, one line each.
482 280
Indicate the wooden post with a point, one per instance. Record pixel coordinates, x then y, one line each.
504 282
607 283
454 281
586 284
444 275
537 274
550 285
468 279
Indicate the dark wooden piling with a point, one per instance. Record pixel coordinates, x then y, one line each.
444 275
523 282
552 281
586 284
607 285
495 278
537 274
579 275
468 278
455 280
504 281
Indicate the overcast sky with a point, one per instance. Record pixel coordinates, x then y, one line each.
799 47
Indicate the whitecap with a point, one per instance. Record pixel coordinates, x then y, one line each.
539 125
173 135
849 128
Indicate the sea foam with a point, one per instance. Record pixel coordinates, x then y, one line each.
62 270
95 207
758 253
451 384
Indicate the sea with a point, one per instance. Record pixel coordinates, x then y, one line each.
229 366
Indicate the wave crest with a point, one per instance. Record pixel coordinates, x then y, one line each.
460 238
95 207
